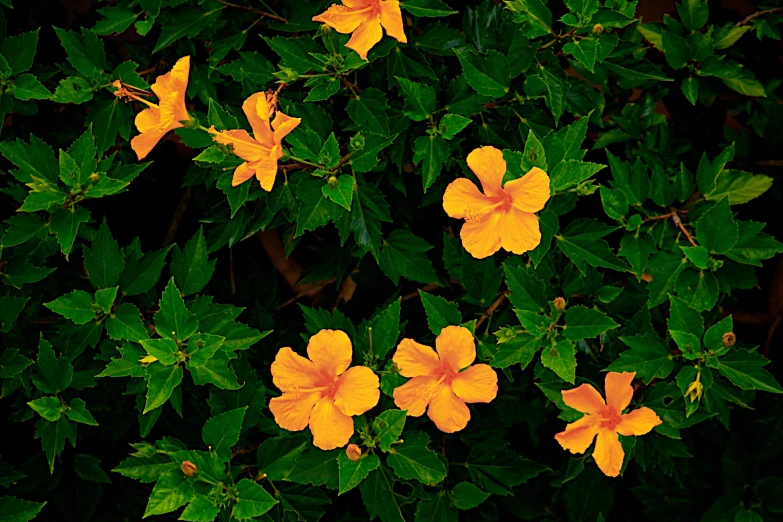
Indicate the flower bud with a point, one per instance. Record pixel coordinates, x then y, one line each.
189 469
560 304
694 391
353 452
190 124
94 177
147 359
729 339
332 181
598 29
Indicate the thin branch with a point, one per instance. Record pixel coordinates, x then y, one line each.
174 225
231 271
492 308
678 222
428 288
757 14
259 11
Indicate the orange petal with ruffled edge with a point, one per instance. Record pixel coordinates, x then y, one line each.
256 111
358 390
608 453
391 20
266 172
283 125
479 383
456 347
366 36
174 80
488 165
519 231
415 395
330 427
143 143
638 422
530 192
242 144
578 435
414 359
292 409
619 391
342 18
585 399
292 372
148 120
331 352
463 200
481 236
242 173
447 411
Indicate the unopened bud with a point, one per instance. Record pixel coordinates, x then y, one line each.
189 124
332 181
598 29
560 304
94 177
407 168
189 469
147 359
353 452
729 339
694 391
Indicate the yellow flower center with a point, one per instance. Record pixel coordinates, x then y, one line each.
500 203
609 419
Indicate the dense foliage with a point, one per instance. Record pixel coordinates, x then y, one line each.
154 264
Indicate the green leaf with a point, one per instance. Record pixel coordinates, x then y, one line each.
35 160
432 152
487 73
519 350
323 88
734 75
161 381
683 318
366 159
665 267
172 490
412 460
452 124
676 50
148 469
16 510
116 20
388 427
200 509
22 228
527 291
217 372
582 244
277 456
191 266
379 496
296 53
466 495
78 306
561 359
20 51
11 363
753 246
74 89
385 329
436 507
110 118
614 202
253 500
185 22
440 313
77 412
716 229
693 13
637 249
173 320
496 469
50 408
353 473
745 370
368 112
698 288
165 350
430 8
53 436
583 322
105 298
104 261
10 308
141 271
740 187
570 173
43 200
648 356
727 35
419 99
584 51
342 192
316 467
535 16
556 91
27 87
220 118
403 255
85 53
690 89
315 210
221 432
125 323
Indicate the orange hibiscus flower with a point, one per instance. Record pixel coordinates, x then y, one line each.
503 216
364 18
262 150
156 121
320 392
443 382
606 420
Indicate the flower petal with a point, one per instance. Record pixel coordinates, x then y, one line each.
447 411
578 435
145 142
174 80
256 111
488 165
462 199
292 409
456 347
242 143
391 20
284 125
415 395
479 383
147 120
366 36
331 428
358 390
242 173
638 422
414 359
608 453
481 236
266 172
530 192
343 19
330 351
291 372
585 399
519 231
619 391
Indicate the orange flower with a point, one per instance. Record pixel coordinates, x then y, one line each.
364 19
262 150
437 384
320 391
157 120
503 215
606 420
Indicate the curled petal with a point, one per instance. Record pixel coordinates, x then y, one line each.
148 120
242 144
585 399
415 395
578 435
488 165
447 411
519 231
174 80
331 428
391 20
366 36
530 192
330 351
343 19
463 200
414 359
619 391
143 143
283 126
481 236
292 409
456 347
256 111
608 453
242 173
638 422
266 172
358 390
292 372
479 383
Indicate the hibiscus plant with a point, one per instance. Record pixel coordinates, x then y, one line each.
418 260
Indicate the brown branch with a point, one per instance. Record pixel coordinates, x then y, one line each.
242 451
492 308
351 86
231 271
655 218
770 163
427 288
757 14
678 222
259 11
175 221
